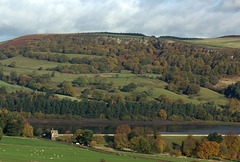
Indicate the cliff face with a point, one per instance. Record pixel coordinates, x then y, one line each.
119 39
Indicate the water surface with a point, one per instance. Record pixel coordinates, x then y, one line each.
109 127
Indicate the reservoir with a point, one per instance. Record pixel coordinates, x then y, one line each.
108 127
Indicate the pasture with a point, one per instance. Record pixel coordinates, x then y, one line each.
12 88
27 66
222 42
145 83
25 149
3 42
18 149
70 56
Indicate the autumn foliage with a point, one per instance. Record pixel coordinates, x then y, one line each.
14 124
208 150
163 114
232 142
120 137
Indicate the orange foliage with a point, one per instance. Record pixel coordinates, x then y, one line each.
232 142
120 141
208 149
120 137
163 115
68 132
123 129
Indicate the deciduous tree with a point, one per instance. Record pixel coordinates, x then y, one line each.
215 137
232 142
189 145
120 137
163 115
1 133
208 150
27 130
140 144
86 137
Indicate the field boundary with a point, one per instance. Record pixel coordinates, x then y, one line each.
80 147
119 154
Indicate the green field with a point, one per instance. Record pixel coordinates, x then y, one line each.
12 88
3 42
157 87
226 42
21 149
27 66
72 55
168 158
177 139
17 149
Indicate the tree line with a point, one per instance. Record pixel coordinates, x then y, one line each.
14 124
37 82
233 91
81 65
125 110
145 140
210 147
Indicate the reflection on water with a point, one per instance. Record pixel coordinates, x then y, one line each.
163 129
201 129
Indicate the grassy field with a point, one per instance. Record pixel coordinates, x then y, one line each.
177 139
3 42
155 86
27 66
226 42
15 149
72 55
168 158
20 149
12 88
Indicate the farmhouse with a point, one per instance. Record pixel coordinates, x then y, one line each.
54 134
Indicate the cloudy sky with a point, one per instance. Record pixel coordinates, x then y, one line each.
184 18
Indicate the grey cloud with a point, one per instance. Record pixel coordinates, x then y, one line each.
198 18
230 5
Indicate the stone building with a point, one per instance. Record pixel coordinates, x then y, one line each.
54 134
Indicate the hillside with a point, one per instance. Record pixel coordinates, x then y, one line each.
28 39
118 67
224 42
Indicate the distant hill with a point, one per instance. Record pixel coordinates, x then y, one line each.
132 34
224 42
177 38
230 36
24 40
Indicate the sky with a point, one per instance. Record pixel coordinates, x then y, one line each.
182 18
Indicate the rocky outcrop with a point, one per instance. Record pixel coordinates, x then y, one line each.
119 39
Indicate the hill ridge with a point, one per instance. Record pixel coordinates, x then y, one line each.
229 36
120 37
